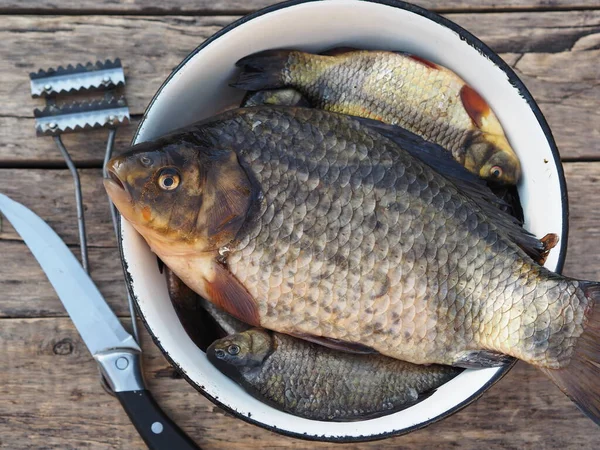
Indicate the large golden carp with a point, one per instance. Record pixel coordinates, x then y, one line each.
357 235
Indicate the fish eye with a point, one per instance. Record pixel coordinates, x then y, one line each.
233 349
220 354
146 161
168 179
496 171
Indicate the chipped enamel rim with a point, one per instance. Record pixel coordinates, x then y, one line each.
197 88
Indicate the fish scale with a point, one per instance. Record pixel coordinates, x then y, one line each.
267 254
396 88
407 90
322 384
457 286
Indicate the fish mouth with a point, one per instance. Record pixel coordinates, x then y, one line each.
115 178
117 190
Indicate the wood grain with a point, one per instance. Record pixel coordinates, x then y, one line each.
556 55
246 6
50 194
583 252
149 47
26 292
50 397
19 146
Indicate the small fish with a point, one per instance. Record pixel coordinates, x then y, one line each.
396 88
282 97
360 236
318 383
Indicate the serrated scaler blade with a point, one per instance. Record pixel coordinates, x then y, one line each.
62 80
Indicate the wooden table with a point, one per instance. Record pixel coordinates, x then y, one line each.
50 395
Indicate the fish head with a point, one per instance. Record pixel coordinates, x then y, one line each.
182 196
240 352
493 159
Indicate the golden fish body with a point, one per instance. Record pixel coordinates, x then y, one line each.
318 383
399 89
334 229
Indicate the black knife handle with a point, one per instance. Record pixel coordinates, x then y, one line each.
156 429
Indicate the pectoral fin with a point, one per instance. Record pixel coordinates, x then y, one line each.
477 108
336 344
478 359
225 291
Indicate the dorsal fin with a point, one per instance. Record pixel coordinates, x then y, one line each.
467 183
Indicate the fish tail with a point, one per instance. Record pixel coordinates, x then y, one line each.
263 70
580 380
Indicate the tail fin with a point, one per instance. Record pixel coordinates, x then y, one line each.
263 70
580 380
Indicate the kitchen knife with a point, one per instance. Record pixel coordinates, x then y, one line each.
113 348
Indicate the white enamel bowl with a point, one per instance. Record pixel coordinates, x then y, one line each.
198 88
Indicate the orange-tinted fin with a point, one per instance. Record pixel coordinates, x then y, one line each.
474 104
478 359
549 241
229 294
580 380
263 70
336 344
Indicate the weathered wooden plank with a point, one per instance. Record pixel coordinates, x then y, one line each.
19 146
27 293
150 47
240 6
50 194
556 55
50 397
583 254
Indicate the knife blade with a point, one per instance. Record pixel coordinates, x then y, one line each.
113 348
96 323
